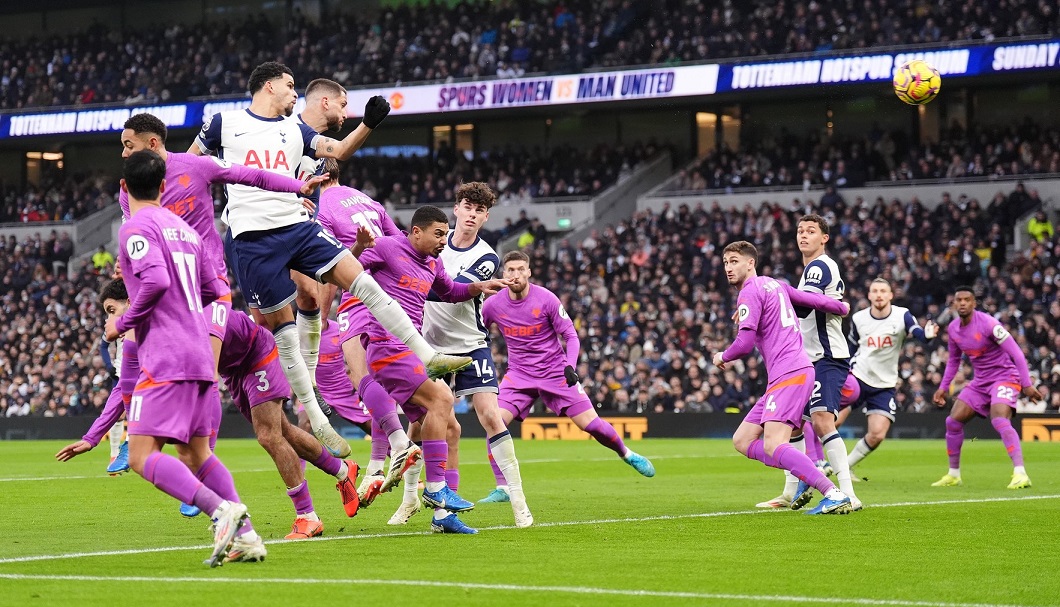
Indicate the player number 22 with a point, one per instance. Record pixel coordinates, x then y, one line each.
1005 393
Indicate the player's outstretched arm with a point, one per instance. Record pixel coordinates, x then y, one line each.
819 302
222 171
952 365
111 413
1009 346
375 111
72 450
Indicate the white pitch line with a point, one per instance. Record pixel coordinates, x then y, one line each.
642 519
15 479
511 587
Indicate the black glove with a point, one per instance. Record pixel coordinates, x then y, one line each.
375 111
571 375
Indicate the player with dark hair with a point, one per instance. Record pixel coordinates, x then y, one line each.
1000 374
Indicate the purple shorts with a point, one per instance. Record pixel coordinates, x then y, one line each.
979 396
785 400
517 395
175 410
263 383
350 408
353 317
216 315
400 372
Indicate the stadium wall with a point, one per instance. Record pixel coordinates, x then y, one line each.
665 425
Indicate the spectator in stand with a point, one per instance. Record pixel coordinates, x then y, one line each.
103 260
1040 228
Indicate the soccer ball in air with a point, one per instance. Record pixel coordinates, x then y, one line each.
916 82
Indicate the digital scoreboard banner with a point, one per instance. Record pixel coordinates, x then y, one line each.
832 68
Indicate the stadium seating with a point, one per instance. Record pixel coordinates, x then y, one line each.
432 42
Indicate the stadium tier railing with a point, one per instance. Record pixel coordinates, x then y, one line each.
87 233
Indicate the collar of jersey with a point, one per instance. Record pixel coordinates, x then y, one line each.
458 249
264 119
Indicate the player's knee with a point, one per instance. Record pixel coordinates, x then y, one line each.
269 435
452 432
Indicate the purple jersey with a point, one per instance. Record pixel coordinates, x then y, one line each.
990 348
187 195
531 327
162 263
342 210
238 354
767 319
408 276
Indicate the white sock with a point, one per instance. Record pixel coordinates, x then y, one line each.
440 513
859 452
412 481
836 495
503 451
309 516
433 486
836 452
1019 470
297 374
308 323
252 535
343 473
955 472
390 315
115 438
374 465
791 482
398 440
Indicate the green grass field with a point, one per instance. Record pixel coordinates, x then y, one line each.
603 534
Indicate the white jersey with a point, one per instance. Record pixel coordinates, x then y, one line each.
458 328
822 334
879 343
273 144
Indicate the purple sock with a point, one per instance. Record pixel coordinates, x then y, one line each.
220 412
380 405
303 502
302 462
173 478
1009 438
214 475
605 434
328 462
789 458
452 478
434 454
380 444
497 474
954 440
814 450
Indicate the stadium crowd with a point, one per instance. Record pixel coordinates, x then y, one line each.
652 305
433 42
68 199
787 159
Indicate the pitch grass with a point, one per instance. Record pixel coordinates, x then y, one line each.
907 547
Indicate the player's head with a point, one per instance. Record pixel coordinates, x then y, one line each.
275 82
143 176
330 168
114 299
740 259
329 98
429 228
964 301
880 293
812 235
516 267
143 132
474 200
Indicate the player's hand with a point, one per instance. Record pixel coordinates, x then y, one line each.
939 399
308 205
1032 393
110 331
312 184
489 287
72 450
735 317
931 329
719 362
117 270
365 238
846 308
571 375
375 111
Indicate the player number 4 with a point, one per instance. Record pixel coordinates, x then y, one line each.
787 315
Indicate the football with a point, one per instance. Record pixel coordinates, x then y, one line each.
916 82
